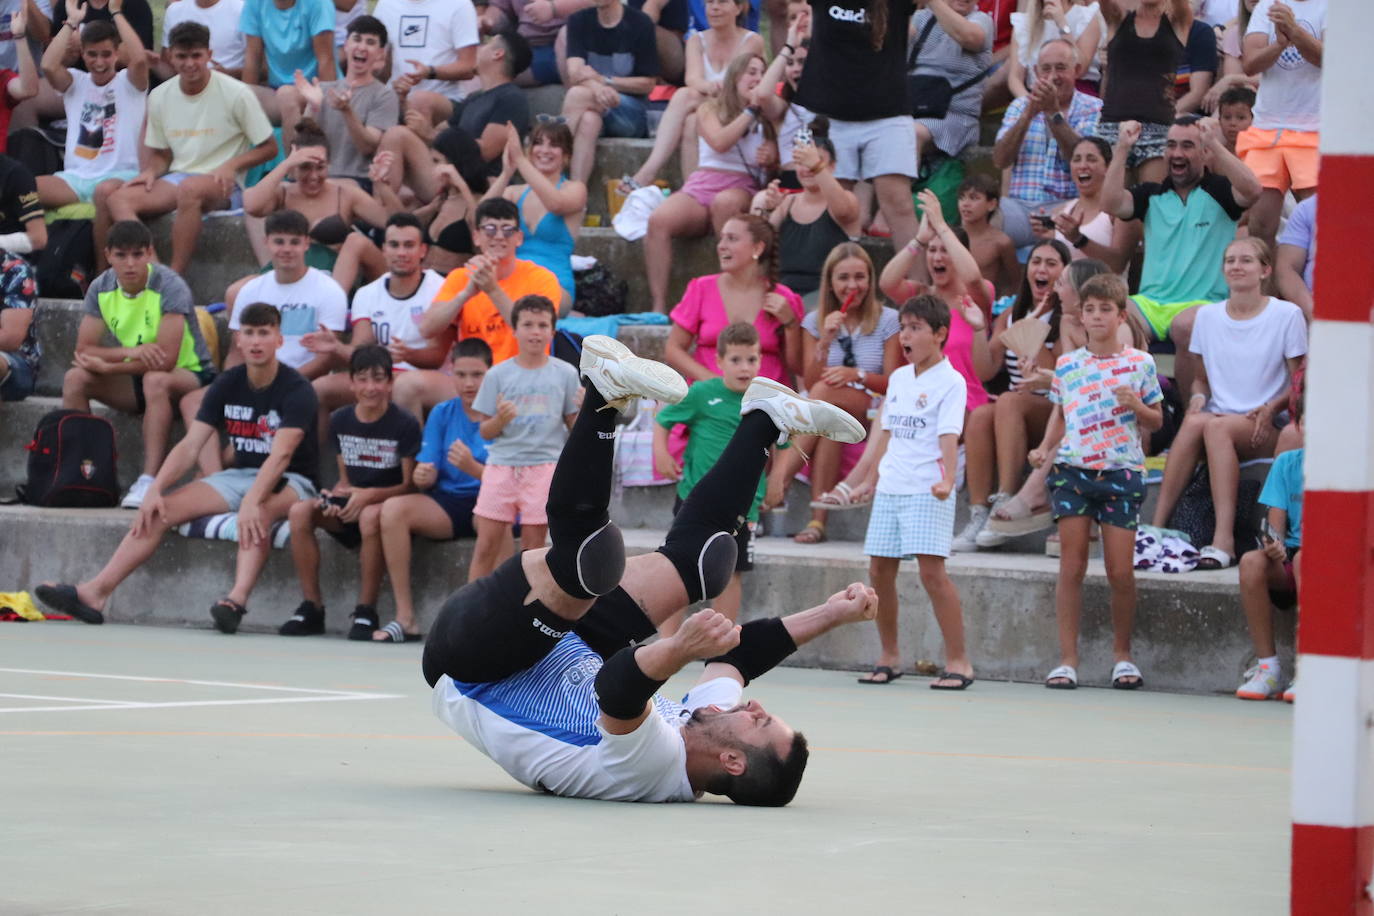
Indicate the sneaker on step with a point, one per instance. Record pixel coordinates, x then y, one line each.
1261 683
307 621
621 377
966 541
134 498
1291 693
795 415
985 536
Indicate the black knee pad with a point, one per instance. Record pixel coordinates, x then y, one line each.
594 567
707 571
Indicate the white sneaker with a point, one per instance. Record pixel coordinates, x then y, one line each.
799 416
1291 693
134 498
1261 683
987 537
621 377
967 540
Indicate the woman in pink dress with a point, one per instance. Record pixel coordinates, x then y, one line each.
746 289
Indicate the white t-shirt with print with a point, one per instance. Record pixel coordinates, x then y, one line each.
542 727
1245 359
1290 91
222 19
392 318
430 32
919 409
313 300
103 124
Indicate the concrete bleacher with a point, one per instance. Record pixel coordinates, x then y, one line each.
1190 634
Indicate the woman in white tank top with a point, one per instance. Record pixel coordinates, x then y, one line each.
709 55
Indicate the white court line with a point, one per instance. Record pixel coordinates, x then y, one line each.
37 696
317 695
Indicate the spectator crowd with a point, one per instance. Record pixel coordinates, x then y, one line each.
1128 280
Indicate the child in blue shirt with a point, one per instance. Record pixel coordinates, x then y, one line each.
448 473
1269 576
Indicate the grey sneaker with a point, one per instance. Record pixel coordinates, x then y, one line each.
986 535
967 540
134 498
799 416
621 377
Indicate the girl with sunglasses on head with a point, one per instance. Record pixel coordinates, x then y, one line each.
850 347
551 205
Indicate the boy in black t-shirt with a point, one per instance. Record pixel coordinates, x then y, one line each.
377 443
268 411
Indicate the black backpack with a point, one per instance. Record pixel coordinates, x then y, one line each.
65 262
72 462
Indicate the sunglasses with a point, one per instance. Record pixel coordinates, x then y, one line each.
492 230
550 119
847 345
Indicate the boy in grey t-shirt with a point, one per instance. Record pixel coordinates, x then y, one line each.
527 404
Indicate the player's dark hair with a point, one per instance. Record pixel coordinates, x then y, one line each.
1104 149
188 36
368 25
1105 288
532 303
473 347
309 133
930 309
768 780
369 357
497 208
518 53
128 235
404 219
260 315
93 33
286 222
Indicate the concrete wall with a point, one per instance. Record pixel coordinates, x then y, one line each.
1190 634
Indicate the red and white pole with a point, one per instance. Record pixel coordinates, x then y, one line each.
1333 757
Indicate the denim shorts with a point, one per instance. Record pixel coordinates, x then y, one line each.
1109 497
628 119
1149 146
19 381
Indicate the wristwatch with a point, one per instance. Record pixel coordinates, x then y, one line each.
1057 118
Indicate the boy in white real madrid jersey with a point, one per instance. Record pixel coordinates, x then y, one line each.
913 508
537 665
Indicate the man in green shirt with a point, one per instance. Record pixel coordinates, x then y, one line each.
160 354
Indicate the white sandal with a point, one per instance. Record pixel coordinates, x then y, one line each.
839 498
1063 672
1127 669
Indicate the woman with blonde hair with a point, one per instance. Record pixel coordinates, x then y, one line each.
849 349
738 151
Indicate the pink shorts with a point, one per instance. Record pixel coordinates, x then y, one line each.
704 184
507 492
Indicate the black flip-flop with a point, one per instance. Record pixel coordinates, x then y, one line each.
963 679
227 614
65 599
395 633
887 672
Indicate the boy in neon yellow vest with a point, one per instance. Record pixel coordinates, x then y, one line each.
160 354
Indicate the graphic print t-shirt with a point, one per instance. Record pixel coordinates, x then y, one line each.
102 125
394 319
372 452
313 300
251 416
1099 433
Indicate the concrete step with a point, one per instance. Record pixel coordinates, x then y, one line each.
1189 636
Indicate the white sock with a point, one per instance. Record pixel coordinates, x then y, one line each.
1272 663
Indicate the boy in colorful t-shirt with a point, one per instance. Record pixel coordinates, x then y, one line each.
1105 395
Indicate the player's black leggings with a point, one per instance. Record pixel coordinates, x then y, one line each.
486 631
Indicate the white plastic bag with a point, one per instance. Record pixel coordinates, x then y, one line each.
632 222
